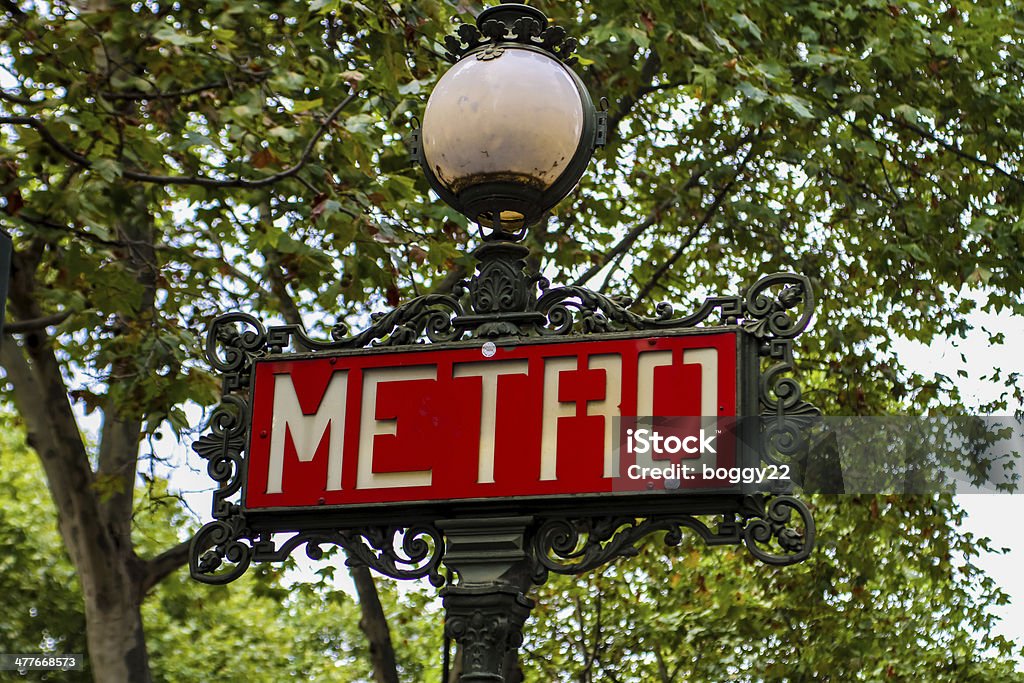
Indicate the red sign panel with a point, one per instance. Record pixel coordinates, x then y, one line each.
485 422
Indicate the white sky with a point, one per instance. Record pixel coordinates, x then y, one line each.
991 515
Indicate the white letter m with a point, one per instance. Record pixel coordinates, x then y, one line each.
307 430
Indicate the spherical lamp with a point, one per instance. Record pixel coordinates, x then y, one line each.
509 130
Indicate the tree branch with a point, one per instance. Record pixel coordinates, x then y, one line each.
41 222
868 135
121 433
12 7
138 96
454 276
630 237
591 656
655 280
46 135
158 568
201 181
929 135
374 624
36 324
611 273
720 197
15 99
648 71
40 396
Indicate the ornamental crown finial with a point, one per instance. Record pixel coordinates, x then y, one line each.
511 22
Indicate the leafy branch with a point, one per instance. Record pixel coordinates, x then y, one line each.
648 72
719 199
201 181
950 147
138 96
653 218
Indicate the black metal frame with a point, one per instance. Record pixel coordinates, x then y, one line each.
503 302
499 548
516 27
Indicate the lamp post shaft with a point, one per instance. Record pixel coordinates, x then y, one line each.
485 611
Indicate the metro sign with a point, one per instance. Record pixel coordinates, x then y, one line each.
461 423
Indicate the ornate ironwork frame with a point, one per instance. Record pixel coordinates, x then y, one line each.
497 549
502 301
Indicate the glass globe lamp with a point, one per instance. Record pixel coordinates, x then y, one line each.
509 130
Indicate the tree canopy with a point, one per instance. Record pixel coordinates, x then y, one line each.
162 162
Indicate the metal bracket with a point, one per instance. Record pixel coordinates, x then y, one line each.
601 132
415 146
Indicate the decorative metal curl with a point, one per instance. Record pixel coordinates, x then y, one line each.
769 317
216 542
524 31
773 525
574 546
222 448
786 416
418 554
426 317
232 353
574 309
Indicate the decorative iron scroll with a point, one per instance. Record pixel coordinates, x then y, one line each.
220 540
772 524
222 448
785 415
525 31
417 555
503 300
570 310
574 546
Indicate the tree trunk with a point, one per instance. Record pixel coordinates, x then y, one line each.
94 507
374 623
109 573
117 645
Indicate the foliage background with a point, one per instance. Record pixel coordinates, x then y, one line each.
162 162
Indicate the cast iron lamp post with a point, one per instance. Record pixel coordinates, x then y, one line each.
507 134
